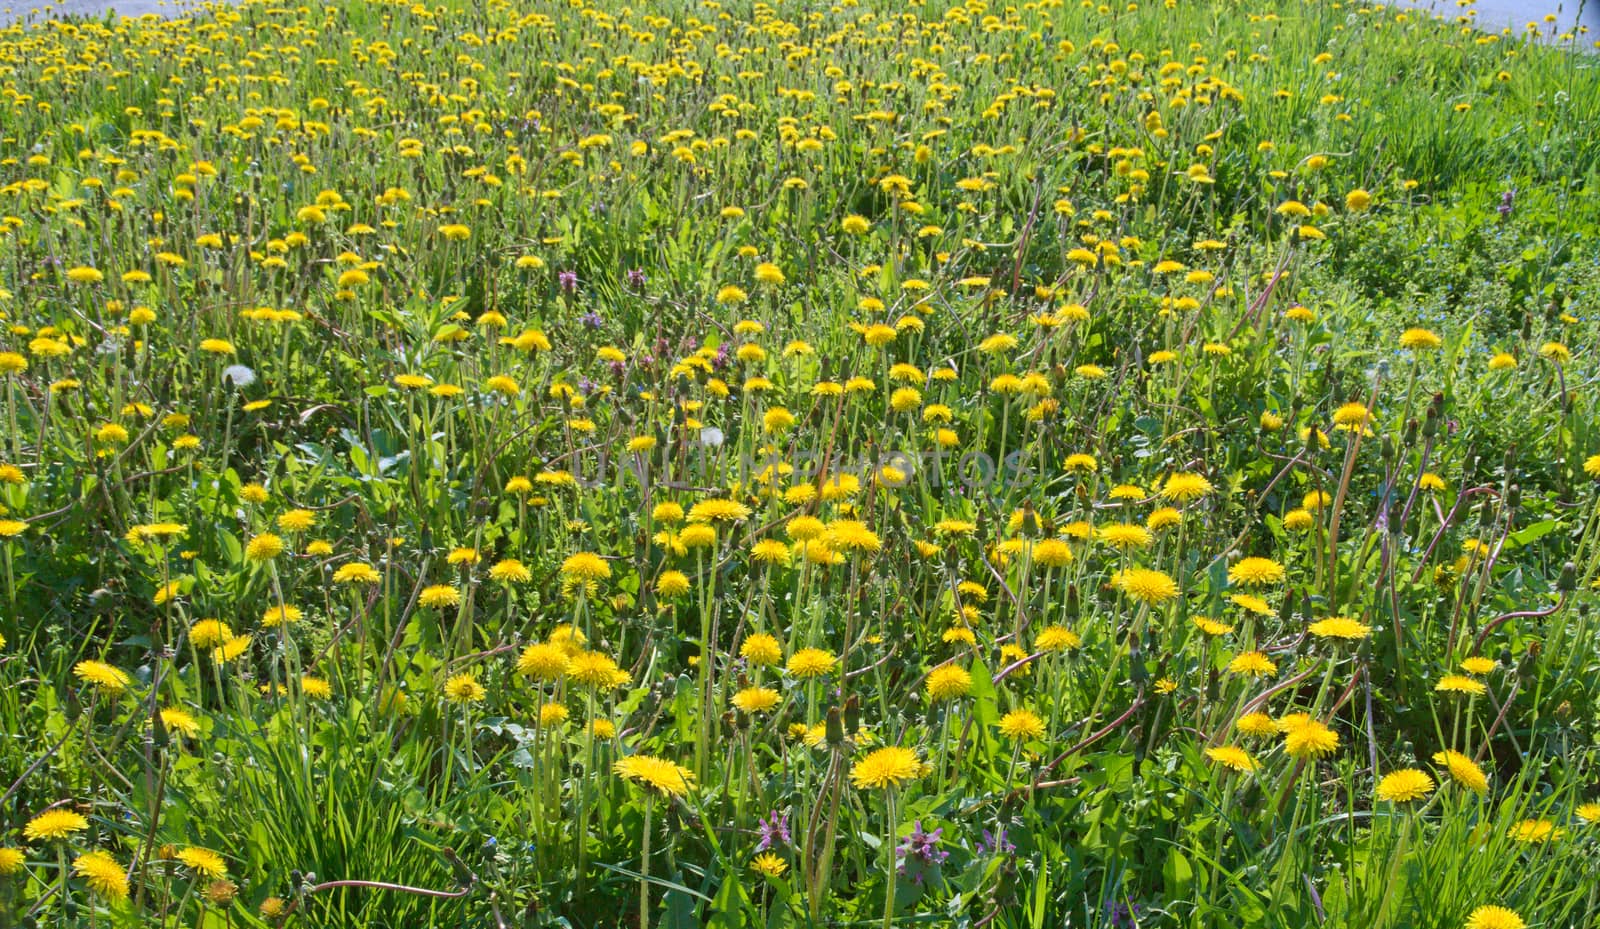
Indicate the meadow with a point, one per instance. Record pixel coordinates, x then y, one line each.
714 463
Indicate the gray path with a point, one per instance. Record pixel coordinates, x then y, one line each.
1497 14
23 9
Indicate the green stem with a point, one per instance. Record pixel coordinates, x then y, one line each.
889 834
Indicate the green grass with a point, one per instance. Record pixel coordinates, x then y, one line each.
537 362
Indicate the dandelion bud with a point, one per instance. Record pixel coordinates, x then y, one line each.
835 728
1388 449
1564 709
1409 436
1568 582
221 893
1513 496
1526 668
1430 425
852 713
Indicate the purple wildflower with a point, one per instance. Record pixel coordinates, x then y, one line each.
920 853
992 843
568 280
1122 914
774 831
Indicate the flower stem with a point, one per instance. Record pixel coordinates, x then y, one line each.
644 866
888 854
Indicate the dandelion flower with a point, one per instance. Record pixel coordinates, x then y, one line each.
769 864
853 535
464 689
103 874
755 700
1251 604
656 774
542 661
855 225
180 721
672 584
1056 639
1146 585
1404 785
585 566
510 571
1256 724
1252 664
1233 758
1339 627
105 678
949 682
1494 917
83 274
1310 739
1351 415
1124 535
886 767
1256 572
1460 684
281 616
1184 487
204 862
1420 339
356 573
1534 832
761 650
263 547
718 511
595 670
54 826
1021 726
1463 770
811 662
